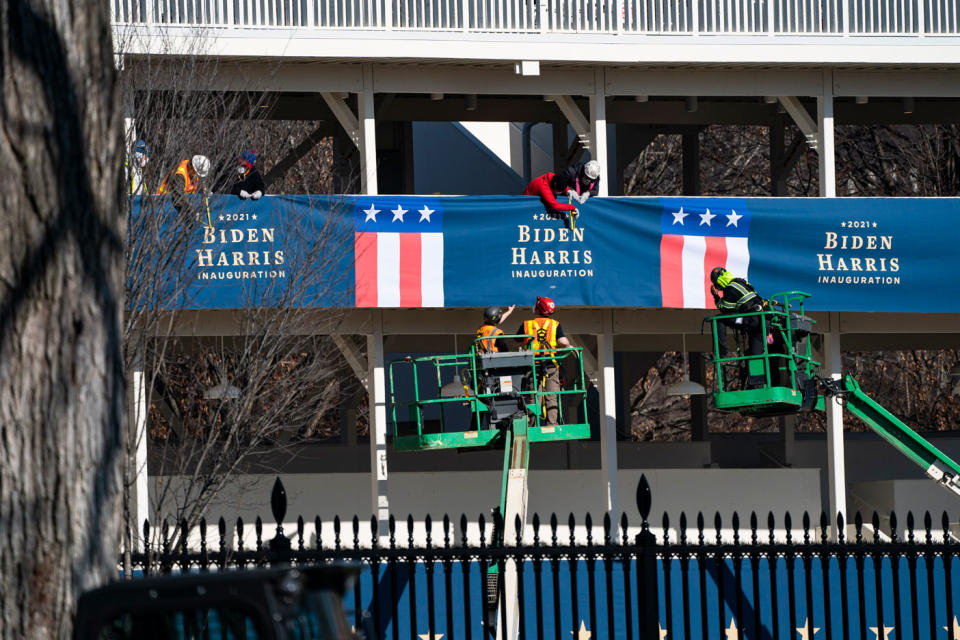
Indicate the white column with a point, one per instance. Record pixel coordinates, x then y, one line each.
139 496
598 129
836 472
828 171
608 419
377 395
368 135
134 174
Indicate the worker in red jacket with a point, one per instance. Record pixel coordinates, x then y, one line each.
547 187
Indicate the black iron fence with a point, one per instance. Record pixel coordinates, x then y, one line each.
695 581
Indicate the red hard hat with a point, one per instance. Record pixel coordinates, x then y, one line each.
545 306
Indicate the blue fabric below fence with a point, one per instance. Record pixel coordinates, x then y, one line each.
851 254
714 598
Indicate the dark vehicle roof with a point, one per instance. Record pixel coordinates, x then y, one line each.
253 588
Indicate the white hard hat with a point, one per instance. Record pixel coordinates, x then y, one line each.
592 169
201 164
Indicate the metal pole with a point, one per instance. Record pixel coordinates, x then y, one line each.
608 420
836 472
377 394
141 488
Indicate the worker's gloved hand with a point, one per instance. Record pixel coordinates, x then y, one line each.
244 194
256 194
572 194
584 196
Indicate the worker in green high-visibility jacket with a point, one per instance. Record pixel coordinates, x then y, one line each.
734 295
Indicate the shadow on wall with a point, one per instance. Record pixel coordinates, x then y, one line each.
448 159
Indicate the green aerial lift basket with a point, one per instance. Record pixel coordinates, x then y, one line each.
772 382
502 391
785 379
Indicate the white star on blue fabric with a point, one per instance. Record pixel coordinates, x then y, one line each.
398 213
371 213
678 216
425 213
733 217
705 218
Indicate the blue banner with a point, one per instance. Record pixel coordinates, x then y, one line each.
850 254
769 597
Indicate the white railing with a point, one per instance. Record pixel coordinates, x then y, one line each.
652 17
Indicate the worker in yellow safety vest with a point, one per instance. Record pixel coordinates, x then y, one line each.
490 329
733 295
544 335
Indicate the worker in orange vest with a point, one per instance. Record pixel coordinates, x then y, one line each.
490 329
544 335
183 180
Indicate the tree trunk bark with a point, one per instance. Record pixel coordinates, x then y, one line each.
61 276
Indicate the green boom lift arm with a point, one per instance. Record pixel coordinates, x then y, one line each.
936 464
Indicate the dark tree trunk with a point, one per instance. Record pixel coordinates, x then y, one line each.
61 276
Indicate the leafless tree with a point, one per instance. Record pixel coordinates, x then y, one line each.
61 291
217 402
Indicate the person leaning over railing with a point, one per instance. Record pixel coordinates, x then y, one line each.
545 335
547 187
249 184
582 181
186 179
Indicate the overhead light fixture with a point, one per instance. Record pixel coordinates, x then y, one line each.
223 391
455 388
470 102
436 96
770 99
908 105
691 104
527 68
641 98
862 99
686 386
548 99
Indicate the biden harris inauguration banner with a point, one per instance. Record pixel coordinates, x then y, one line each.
850 254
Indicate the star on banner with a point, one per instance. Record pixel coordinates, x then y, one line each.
705 218
425 213
733 217
430 636
254 216
220 217
886 631
956 628
678 216
803 630
731 631
583 634
398 213
371 214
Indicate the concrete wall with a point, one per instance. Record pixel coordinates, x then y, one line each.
450 160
